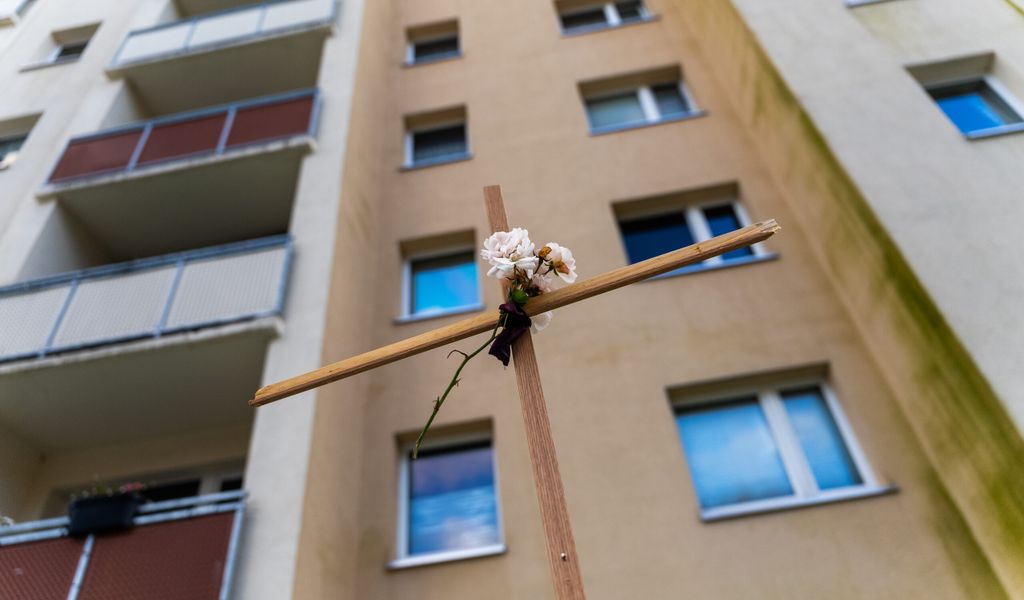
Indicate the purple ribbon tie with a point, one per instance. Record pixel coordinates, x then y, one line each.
517 322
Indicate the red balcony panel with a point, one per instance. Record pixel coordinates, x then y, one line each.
175 140
96 155
269 121
173 560
39 570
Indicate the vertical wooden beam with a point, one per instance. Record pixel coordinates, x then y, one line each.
565 569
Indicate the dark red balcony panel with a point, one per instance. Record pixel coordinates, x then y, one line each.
39 570
173 560
177 140
96 155
257 123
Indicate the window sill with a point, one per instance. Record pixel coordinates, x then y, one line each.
995 131
726 264
436 162
779 504
458 310
606 27
410 562
432 61
49 63
630 126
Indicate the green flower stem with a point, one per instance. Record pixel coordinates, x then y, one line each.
454 382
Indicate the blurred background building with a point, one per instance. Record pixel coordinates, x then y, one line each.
198 197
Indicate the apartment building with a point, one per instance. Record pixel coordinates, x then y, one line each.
199 197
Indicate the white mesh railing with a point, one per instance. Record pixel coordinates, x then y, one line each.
223 28
146 298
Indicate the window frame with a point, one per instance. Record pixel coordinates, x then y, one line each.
795 464
648 104
700 231
612 18
409 164
1000 91
402 558
407 315
410 49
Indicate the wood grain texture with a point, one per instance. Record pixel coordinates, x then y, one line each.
554 514
479 324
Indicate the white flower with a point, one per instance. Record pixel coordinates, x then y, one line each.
562 262
544 283
507 250
539 322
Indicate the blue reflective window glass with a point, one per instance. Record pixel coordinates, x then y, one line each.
670 100
452 501
820 439
620 110
731 453
435 49
723 219
632 10
974 106
650 236
443 283
439 144
590 18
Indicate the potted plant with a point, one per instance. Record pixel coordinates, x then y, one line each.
102 508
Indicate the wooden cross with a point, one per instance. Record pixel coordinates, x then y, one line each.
565 571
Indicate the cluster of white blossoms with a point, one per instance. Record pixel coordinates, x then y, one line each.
530 270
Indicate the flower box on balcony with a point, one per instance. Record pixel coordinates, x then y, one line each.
102 513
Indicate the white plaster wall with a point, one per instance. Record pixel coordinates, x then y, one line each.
279 452
951 205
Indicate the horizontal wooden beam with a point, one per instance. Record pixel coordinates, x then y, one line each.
570 294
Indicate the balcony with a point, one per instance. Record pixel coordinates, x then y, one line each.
177 549
188 180
140 349
268 47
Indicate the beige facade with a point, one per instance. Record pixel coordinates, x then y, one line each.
808 112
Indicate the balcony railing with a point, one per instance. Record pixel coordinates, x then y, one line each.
146 298
208 132
222 28
178 549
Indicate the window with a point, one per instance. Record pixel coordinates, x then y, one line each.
448 504
9 148
432 43
639 106
576 19
442 284
436 138
69 52
975 107
771 448
646 234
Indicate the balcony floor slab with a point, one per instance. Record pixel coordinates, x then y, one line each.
136 390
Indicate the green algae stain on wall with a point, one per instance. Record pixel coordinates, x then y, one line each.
972 443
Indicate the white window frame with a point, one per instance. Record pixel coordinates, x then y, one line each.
648 104
611 17
407 314
402 557
410 49
805 487
697 223
409 145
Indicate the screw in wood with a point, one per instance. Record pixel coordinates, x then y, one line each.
564 557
